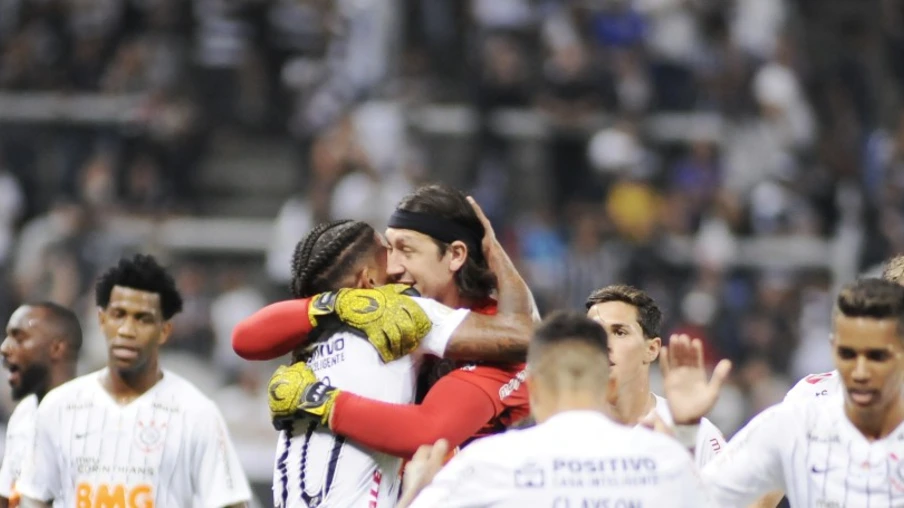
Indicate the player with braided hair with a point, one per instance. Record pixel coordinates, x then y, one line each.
349 254
433 233
329 250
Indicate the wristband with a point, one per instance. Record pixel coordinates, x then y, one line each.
687 435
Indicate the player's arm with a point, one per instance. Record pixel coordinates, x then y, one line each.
217 476
453 410
751 464
40 480
7 482
470 336
710 443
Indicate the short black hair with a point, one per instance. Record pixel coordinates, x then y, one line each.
66 322
325 255
141 272
570 326
874 299
648 313
474 279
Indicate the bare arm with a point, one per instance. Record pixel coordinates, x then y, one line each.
770 500
27 502
514 295
500 338
505 336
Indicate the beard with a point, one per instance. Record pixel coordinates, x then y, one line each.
32 379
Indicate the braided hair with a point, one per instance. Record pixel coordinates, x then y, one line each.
325 255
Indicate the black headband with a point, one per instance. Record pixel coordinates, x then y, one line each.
444 230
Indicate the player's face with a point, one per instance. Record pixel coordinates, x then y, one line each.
869 356
414 259
630 353
26 351
134 327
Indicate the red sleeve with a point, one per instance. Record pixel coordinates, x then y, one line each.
273 331
505 386
453 409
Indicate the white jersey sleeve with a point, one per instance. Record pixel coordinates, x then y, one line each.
218 476
41 472
445 321
751 464
710 442
19 440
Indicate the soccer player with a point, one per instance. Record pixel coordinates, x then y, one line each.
828 384
314 466
632 321
435 238
576 455
40 352
832 452
132 434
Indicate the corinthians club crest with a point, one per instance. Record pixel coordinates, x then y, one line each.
149 437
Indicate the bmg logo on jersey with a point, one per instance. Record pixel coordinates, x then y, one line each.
113 496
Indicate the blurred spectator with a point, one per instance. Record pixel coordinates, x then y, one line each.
572 95
192 330
236 300
591 262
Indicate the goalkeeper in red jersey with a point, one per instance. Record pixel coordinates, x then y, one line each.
435 245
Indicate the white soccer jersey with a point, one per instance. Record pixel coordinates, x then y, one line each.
710 440
167 448
813 453
314 467
20 431
824 386
574 459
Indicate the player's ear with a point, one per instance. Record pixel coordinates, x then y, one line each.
458 254
58 350
363 280
101 316
653 346
165 332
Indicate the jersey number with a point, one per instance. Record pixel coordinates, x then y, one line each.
312 501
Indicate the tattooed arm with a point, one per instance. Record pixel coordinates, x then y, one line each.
502 337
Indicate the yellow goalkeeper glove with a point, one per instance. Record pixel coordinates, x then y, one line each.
295 391
392 322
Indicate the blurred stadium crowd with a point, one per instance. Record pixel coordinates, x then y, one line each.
735 159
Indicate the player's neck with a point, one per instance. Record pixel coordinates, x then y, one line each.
58 375
126 387
573 401
874 428
634 401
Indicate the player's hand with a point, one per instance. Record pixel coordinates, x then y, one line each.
295 392
687 390
421 469
489 244
392 322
